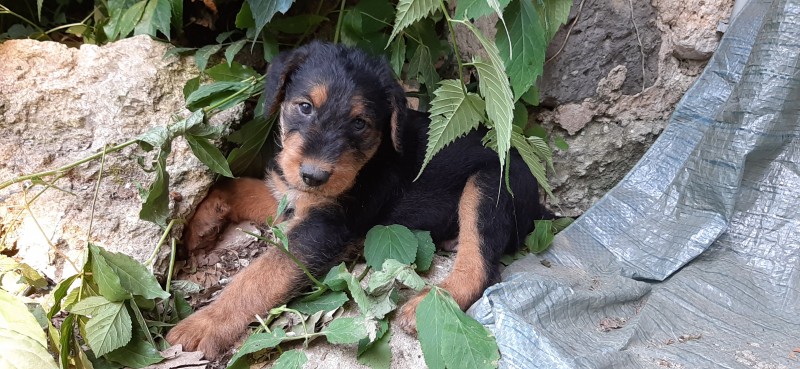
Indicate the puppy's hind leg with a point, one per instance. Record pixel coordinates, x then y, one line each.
234 201
485 226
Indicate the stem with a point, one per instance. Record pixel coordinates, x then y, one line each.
297 261
364 273
455 46
39 226
339 23
94 199
68 166
151 260
171 264
8 11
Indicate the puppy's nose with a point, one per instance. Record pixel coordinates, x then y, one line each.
313 175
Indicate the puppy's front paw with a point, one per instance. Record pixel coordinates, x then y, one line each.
407 317
204 331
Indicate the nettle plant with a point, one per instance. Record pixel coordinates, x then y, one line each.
114 313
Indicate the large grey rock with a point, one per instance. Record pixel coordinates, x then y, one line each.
59 105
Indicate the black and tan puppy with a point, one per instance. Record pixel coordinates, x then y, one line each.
350 152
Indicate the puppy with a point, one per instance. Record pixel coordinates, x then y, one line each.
350 152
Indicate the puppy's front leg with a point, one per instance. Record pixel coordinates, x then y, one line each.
268 281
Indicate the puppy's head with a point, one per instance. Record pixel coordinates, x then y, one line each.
337 108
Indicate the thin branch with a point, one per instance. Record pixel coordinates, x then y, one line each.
569 32
639 38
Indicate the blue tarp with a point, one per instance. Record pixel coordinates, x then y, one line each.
693 259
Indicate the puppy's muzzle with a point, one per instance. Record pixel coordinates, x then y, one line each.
313 175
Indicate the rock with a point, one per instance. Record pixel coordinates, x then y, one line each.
59 105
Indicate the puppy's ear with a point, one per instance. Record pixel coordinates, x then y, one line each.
397 97
278 74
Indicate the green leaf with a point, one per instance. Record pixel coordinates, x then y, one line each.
58 294
410 11
177 51
234 72
335 278
292 359
531 97
520 115
65 340
209 155
156 203
542 236
202 55
90 306
108 329
270 46
389 242
182 307
106 278
526 42
453 114
421 67
177 15
244 18
534 163
561 223
136 354
561 143
450 338
185 286
378 354
251 138
539 147
232 50
258 342
495 89
381 280
129 19
398 57
156 17
191 86
425 250
329 301
552 14
264 10
474 9
217 92
345 330
20 351
16 320
133 276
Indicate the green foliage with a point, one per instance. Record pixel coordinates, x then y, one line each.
389 242
23 341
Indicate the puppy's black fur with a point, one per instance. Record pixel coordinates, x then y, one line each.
350 152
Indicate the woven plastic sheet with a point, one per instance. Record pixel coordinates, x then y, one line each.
693 260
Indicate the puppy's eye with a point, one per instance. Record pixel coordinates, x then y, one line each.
359 124
305 108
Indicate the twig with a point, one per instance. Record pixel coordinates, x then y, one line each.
569 32
94 199
151 260
44 234
639 38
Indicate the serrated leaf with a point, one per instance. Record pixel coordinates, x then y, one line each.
22 352
264 10
65 339
296 25
185 286
425 250
345 330
209 155
561 143
244 18
450 338
202 55
453 114
496 91
335 278
292 359
421 66
136 354
234 72
90 306
108 329
561 223
59 293
107 280
410 11
552 14
155 17
532 160
525 40
329 301
540 148
382 280
133 276
258 342
520 115
398 56
232 50
16 320
156 198
474 9
389 242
